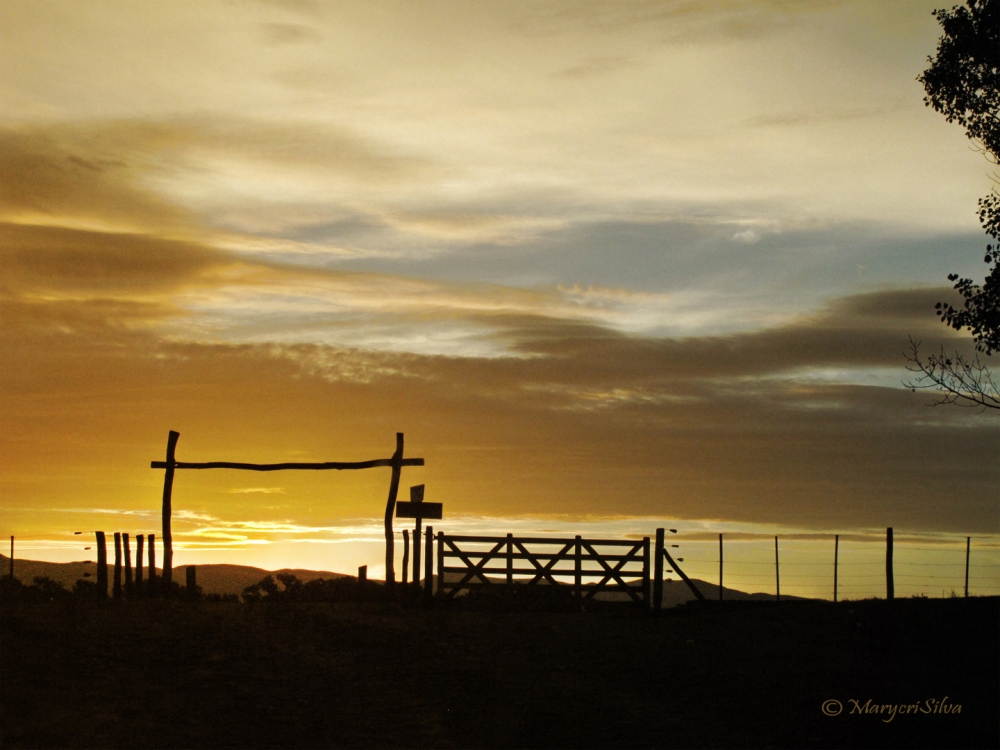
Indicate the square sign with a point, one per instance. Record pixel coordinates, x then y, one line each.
418 510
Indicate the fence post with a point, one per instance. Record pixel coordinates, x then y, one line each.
777 574
720 567
102 565
440 538
578 568
417 537
151 584
12 557
645 571
836 555
138 562
429 565
190 582
510 560
390 507
406 555
117 589
128 564
658 573
890 589
968 548
168 485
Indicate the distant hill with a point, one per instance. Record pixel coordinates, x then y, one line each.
213 579
232 579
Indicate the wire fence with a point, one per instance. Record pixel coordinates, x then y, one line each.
922 565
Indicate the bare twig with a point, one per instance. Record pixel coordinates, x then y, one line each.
958 380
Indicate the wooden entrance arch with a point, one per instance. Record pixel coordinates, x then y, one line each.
396 462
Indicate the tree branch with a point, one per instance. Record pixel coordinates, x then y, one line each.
957 379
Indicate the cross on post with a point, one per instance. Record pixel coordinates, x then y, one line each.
419 510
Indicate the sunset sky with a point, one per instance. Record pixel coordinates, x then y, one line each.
603 263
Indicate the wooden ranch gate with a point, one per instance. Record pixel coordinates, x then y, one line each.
590 566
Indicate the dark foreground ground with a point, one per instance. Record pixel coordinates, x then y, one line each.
183 675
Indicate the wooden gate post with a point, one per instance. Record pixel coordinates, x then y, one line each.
645 571
128 564
151 545
390 508
429 565
578 568
406 554
138 562
117 590
102 565
168 486
440 586
890 587
510 561
658 572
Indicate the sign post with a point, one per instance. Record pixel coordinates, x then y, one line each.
419 510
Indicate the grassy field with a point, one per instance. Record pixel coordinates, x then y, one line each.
741 674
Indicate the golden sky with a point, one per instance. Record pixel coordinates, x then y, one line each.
595 259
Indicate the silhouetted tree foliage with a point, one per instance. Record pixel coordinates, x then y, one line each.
43 589
963 84
344 589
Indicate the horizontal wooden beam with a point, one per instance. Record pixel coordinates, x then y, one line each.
544 540
338 465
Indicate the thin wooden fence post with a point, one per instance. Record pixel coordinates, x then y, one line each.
127 548
645 571
578 568
138 562
777 573
440 586
406 555
151 584
836 556
968 549
417 538
510 560
191 582
168 486
102 565
390 507
890 588
720 567
12 557
362 576
658 573
117 590
429 565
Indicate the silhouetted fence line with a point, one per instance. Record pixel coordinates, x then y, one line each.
853 565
